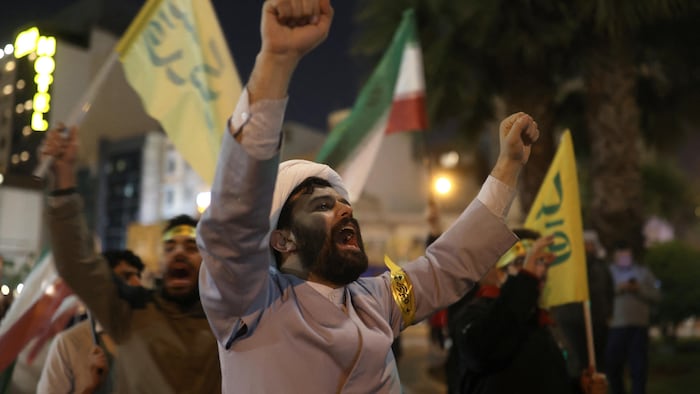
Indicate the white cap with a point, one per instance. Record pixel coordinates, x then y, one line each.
291 174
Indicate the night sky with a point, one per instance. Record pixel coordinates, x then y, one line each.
326 80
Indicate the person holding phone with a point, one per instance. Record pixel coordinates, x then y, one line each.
636 291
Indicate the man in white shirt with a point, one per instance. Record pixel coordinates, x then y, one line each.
302 320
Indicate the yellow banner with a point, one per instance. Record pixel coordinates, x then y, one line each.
176 58
557 211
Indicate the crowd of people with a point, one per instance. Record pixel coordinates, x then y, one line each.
268 285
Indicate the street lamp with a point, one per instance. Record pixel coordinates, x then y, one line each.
442 185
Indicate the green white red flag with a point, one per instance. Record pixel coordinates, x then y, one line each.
41 309
393 100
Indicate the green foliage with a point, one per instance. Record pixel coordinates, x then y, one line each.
667 192
677 266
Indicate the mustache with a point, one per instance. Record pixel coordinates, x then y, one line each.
344 222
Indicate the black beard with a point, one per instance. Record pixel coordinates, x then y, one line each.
320 255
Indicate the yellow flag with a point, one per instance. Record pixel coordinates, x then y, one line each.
176 58
557 211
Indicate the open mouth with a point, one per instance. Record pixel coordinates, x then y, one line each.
347 237
180 274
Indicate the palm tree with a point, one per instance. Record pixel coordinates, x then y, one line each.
612 51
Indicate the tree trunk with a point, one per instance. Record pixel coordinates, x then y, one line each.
612 116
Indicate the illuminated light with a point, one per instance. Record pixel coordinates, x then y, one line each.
20 287
7 89
44 65
46 46
24 156
43 81
9 48
21 84
5 290
203 201
50 290
26 131
443 185
2 54
38 122
449 159
9 66
28 105
26 42
19 108
42 102
2 179
15 159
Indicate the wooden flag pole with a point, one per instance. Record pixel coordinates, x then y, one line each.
589 334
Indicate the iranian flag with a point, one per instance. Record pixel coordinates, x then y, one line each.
41 309
393 100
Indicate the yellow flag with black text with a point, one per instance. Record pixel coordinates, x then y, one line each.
175 56
557 211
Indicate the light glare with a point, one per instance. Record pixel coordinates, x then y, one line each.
203 201
26 42
443 185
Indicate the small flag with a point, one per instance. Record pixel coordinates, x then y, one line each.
393 100
176 58
34 310
557 211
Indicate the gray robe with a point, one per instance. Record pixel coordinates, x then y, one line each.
276 333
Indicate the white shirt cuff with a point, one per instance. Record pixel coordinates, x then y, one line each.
260 123
496 196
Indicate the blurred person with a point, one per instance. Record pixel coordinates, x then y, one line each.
628 340
570 319
282 252
503 341
164 342
80 359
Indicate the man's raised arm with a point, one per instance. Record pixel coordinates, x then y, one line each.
233 233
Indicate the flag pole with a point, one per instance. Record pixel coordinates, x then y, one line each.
79 111
589 334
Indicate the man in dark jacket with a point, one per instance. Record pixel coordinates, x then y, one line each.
503 340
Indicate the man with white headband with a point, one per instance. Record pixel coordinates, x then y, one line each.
282 253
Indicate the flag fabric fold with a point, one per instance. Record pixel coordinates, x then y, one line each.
557 211
392 100
175 56
35 310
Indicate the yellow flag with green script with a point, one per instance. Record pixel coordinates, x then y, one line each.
557 211
176 58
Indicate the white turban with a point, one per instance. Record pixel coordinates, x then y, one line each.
291 174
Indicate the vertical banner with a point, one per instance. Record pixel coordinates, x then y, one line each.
557 211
